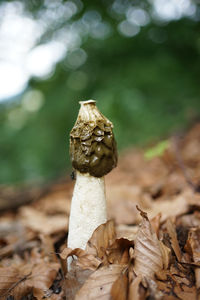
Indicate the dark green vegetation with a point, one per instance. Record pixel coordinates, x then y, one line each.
147 85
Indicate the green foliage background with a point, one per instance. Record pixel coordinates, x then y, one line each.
147 88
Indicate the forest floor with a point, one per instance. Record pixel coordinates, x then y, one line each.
149 248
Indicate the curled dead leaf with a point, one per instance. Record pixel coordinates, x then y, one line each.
84 261
95 253
148 252
193 248
155 223
118 253
173 238
166 253
102 249
102 238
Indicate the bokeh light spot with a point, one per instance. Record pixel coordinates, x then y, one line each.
32 100
13 80
42 59
76 58
137 16
128 29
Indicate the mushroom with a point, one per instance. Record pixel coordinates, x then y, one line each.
93 154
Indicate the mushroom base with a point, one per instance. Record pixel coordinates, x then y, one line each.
88 209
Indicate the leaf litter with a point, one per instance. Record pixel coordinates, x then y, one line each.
149 248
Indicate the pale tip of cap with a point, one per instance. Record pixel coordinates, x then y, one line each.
87 102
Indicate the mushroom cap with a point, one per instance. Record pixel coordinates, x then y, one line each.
92 144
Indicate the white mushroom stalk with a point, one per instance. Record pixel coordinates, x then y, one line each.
93 155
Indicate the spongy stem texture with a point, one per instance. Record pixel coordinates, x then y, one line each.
88 209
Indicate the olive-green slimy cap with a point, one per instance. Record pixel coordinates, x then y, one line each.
92 145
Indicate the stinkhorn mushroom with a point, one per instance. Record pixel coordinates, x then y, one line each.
93 154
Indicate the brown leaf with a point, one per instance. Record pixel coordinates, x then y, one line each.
119 290
74 281
147 253
153 289
193 244
155 223
178 280
98 285
42 277
169 208
124 212
127 232
102 238
118 253
19 280
42 223
47 246
12 281
191 220
134 292
183 292
101 249
59 296
163 282
193 248
173 238
84 261
166 253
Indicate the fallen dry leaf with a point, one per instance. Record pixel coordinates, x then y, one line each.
173 238
47 247
74 280
170 207
118 252
59 296
127 232
102 249
185 293
193 247
84 261
147 252
188 221
124 212
166 253
193 244
153 290
12 281
96 250
102 238
20 280
134 292
39 222
119 290
177 281
98 285
155 223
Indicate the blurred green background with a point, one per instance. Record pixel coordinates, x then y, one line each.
139 59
